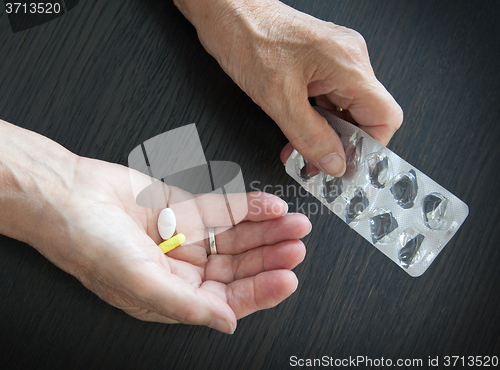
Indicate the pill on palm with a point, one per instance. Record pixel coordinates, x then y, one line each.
166 223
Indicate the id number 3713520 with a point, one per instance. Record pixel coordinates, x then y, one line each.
33 8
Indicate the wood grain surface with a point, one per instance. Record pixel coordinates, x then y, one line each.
110 74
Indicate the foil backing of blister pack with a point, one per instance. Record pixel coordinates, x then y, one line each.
393 205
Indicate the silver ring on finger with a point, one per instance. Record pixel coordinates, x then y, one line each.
211 239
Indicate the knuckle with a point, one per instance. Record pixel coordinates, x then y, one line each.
356 50
343 44
358 39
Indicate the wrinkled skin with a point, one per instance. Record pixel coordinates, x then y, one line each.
82 215
111 246
280 57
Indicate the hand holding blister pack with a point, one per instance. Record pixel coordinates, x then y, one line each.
393 205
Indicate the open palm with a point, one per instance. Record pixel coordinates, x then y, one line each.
110 245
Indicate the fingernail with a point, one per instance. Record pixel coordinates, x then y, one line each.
222 325
286 208
333 164
296 286
310 228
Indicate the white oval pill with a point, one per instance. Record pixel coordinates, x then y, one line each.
166 223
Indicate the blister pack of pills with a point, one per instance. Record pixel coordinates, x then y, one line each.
393 205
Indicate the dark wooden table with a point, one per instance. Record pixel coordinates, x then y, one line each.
111 74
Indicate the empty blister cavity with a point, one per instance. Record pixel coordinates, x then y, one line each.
405 189
357 205
353 150
434 208
378 169
332 188
305 169
409 242
390 203
382 224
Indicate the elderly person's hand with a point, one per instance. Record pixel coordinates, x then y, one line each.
82 215
280 57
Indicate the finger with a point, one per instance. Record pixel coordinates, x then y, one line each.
322 101
138 275
223 211
249 235
264 206
194 223
310 169
375 110
148 315
309 132
286 152
261 292
172 298
227 268
215 211
381 132
243 237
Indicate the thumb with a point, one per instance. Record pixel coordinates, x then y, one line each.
373 108
311 135
194 306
